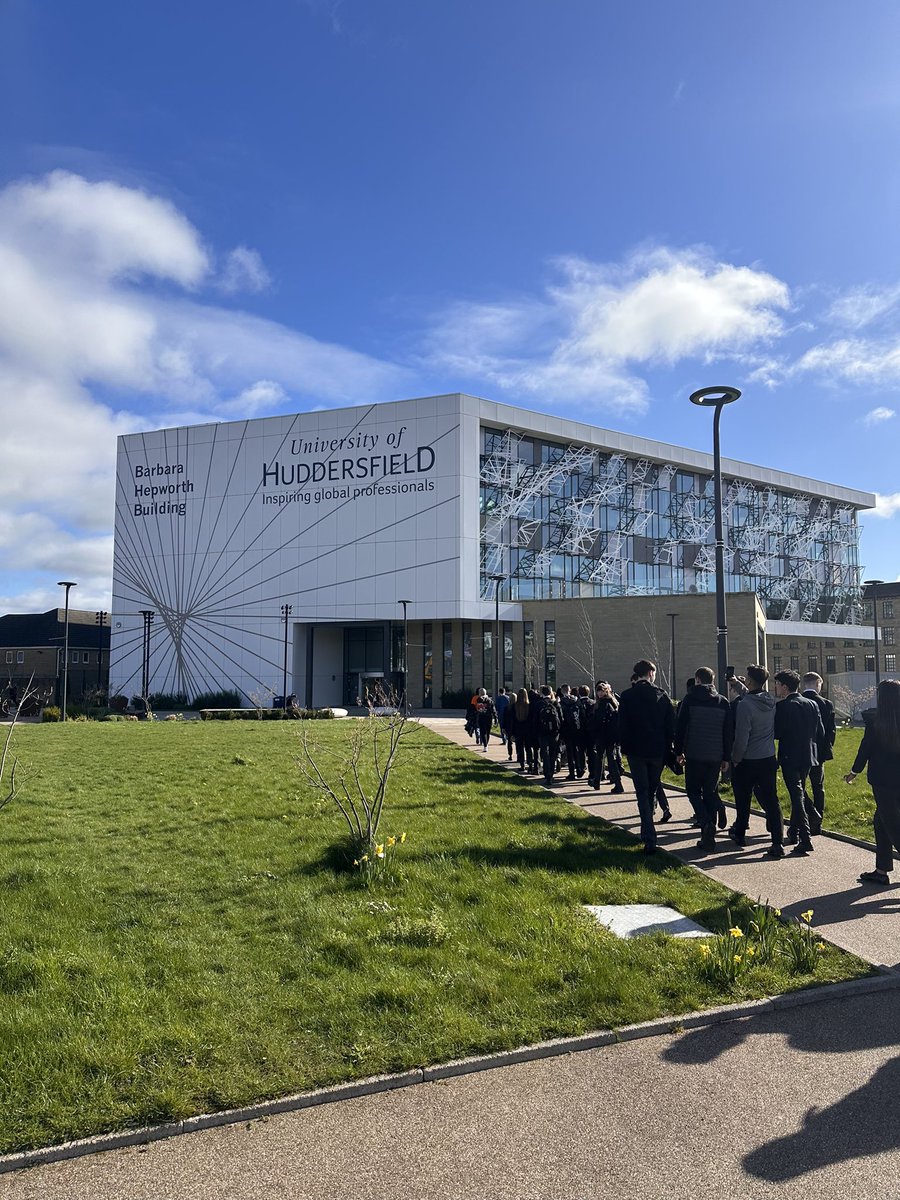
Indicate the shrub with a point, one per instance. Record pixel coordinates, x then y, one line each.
457 699
168 700
118 703
51 713
223 699
266 714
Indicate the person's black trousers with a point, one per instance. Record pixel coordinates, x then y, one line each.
574 754
645 773
757 776
701 781
887 826
817 786
549 748
798 826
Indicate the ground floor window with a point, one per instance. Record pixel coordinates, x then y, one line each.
427 666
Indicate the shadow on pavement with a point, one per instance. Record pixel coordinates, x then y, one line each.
864 1122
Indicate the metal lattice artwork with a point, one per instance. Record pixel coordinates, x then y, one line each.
564 521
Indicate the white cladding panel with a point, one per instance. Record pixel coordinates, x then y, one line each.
339 513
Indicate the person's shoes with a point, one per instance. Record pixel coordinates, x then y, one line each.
775 852
570 777
694 823
737 837
790 839
648 849
723 817
815 830
617 790
706 845
801 850
580 774
879 878
667 816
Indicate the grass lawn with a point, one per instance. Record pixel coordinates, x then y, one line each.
177 938
848 807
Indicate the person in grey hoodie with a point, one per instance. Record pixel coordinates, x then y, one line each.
755 767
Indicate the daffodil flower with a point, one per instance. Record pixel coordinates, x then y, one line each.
356 862
365 858
807 916
737 958
705 951
777 912
392 841
402 838
736 933
751 951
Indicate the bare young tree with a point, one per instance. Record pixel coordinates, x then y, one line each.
585 657
358 783
12 773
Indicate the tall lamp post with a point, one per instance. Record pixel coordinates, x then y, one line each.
672 617
286 610
100 618
874 585
68 585
498 579
405 603
716 398
148 614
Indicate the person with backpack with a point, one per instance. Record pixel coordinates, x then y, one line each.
587 745
704 734
501 703
485 716
647 735
608 751
548 722
571 732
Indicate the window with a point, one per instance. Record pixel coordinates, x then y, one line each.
550 653
776 663
9 656
428 666
888 636
530 663
830 666
776 645
887 608
870 662
467 657
795 662
86 658
487 656
828 645
812 645
20 656
812 663
75 656
849 662
890 663
794 646
507 654
850 643
447 655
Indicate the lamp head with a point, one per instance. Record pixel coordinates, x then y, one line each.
715 397
872 582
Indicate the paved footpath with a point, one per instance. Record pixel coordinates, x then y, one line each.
796 1103
861 919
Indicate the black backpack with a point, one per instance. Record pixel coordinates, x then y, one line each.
571 714
548 719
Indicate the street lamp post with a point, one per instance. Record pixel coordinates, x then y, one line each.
67 584
674 676
717 398
405 603
100 618
874 585
286 610
498 579
148 614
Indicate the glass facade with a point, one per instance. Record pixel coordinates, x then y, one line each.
561 521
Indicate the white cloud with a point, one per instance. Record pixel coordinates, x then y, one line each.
92 306
877 415
584 336
244 271
862 306
886 506
853 360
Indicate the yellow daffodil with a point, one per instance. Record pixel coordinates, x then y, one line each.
737 958
705 951
807 916
777 912
356 862
392 841
365 858
402 838
379 851
735 932
751 951
820 946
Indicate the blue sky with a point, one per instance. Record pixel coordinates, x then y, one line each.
215 210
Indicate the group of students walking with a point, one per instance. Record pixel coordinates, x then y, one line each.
746 739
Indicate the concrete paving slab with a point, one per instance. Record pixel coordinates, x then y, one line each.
637 920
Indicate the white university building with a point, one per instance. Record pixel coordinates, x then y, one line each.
296 538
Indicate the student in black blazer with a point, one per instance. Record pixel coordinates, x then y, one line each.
880 749
799 732
812 687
